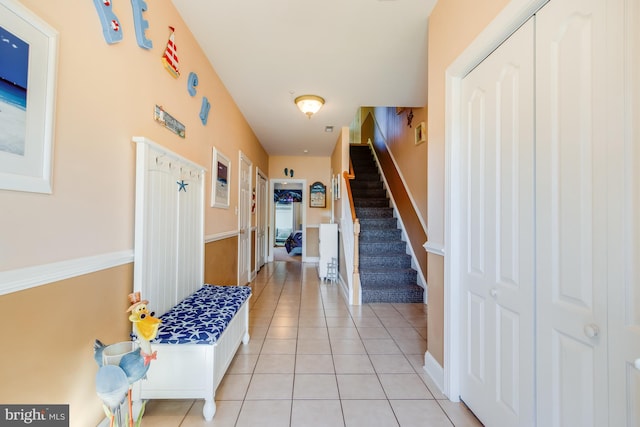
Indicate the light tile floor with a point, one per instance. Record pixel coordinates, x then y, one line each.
314 361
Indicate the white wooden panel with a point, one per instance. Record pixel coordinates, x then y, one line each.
169 226
508 176
571 152
508 359
475 149
477 337
572 362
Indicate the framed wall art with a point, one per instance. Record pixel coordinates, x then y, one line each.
28 48
317 195
220 176
420 133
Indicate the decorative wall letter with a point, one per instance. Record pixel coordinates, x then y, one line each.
110 23
192 82
204 110
140 23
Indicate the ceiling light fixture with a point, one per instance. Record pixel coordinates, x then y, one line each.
309 104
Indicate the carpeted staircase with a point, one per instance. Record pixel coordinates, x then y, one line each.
385 267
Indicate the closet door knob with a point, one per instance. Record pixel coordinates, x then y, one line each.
494 292
591 330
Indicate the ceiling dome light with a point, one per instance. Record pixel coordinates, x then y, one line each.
309 104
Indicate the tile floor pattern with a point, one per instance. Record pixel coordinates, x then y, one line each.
314 361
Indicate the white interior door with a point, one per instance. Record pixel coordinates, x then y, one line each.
261 220
571 213
244 221
624 210
497 235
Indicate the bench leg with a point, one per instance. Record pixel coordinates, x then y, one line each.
209 409
245 337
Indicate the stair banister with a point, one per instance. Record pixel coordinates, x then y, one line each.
354 292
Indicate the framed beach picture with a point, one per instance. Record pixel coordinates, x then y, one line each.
28 52
220 176
317 195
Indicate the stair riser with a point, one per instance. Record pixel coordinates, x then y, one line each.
365 185
385 262
369 193
374 212
378 223
378 248
367 176
380 235
397 277
371 203
392 296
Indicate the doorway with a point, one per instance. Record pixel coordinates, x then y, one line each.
288 219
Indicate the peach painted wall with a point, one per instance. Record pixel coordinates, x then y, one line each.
48 334
410 159
105 95
453 25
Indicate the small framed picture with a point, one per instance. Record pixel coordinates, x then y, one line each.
420 133
220 176
317 195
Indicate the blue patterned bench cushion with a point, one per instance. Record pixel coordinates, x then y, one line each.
203 316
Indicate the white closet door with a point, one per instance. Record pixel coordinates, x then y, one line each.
571 213
497 232
261 213
244 221
624 208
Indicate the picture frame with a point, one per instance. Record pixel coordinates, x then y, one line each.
220 180
317 195
27 99
420 133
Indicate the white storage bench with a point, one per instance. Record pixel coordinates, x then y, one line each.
196 342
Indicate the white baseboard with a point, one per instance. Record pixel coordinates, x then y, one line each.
434 370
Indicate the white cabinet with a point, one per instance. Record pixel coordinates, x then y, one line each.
328 247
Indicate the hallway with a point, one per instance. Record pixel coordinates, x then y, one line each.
314 361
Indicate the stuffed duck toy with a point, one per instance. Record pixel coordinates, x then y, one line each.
144 323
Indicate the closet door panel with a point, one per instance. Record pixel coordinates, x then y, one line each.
496 229
571 208
624 208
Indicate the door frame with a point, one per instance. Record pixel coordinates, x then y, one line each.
516 13
272 216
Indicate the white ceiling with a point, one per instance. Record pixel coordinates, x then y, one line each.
353 53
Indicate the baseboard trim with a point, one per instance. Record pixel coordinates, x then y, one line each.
31 277
434 370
